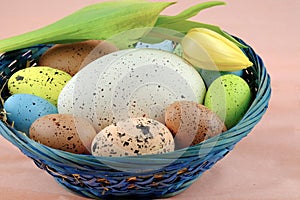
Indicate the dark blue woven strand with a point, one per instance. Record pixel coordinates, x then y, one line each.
100 178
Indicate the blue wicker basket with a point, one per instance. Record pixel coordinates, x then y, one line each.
148 176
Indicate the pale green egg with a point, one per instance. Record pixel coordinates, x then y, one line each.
230 97
41 81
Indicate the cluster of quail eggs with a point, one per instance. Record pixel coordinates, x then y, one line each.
92 98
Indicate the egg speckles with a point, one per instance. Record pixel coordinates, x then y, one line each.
132 137
192 123
230 97
41 81
128 84
63 132
72 57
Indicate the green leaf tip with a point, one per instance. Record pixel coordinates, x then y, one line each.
194 10
181 23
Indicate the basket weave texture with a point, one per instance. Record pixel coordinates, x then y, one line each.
148 176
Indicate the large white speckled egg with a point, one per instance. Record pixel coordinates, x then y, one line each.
130 83
132 137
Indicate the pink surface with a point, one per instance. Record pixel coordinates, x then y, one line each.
264 165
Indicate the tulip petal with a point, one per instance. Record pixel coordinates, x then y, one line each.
207 49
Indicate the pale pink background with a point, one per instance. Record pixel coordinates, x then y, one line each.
264 165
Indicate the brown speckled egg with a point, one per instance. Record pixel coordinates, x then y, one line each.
72 57
132 137
192 123
64 132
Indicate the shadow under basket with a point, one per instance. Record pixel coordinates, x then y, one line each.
140 177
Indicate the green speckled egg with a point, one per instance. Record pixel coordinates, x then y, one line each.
41 81
230 97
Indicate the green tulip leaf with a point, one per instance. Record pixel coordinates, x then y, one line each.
99 22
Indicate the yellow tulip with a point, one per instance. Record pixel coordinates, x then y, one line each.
206 49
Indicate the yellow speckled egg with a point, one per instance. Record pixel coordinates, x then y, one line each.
41 81
192 123
230 97
72 57
64 132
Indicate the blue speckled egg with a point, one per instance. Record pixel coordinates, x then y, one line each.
166 45
23 109
209 75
